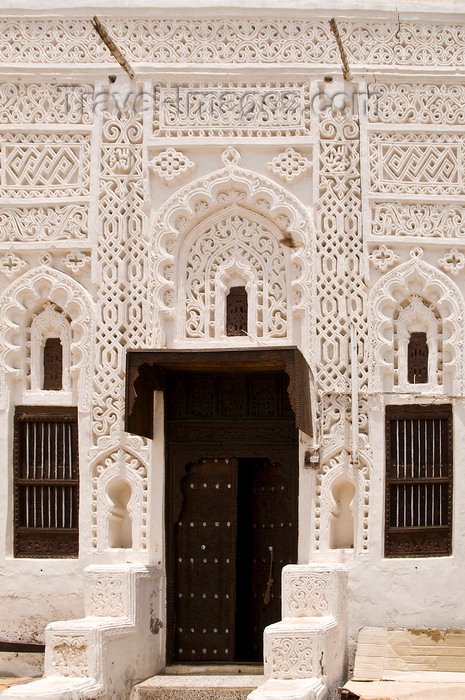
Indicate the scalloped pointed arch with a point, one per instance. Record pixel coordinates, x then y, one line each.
187 229
416 279
27 296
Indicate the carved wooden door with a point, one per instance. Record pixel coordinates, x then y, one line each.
266 541
232 512
205 562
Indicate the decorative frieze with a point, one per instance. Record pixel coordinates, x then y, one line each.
232 109
406 103
46 103
44 165
230 40
417 163
63 222
429 220
403 43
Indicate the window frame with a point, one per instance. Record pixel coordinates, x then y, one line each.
45 542
419 540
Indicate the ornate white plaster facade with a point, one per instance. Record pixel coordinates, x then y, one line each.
238 155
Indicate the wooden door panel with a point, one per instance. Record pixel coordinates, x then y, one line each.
267 518
205 562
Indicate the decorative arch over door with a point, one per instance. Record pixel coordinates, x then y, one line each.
232 227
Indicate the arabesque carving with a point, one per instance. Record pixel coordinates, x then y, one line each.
417 103
232 109
63 222
46 103
229 40
429 220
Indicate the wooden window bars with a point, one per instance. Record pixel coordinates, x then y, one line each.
418 481
46 481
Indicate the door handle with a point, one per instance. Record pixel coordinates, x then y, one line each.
267 596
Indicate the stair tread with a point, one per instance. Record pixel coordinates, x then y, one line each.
207 681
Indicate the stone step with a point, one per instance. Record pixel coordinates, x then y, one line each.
192 687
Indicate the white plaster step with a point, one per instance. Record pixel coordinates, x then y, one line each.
56 688
297 689
192 687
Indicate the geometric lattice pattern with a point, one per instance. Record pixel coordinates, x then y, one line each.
45 165
411 163
340 262
121 261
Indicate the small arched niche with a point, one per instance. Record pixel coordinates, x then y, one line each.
342 519
119 518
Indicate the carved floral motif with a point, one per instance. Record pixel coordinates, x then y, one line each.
170 165
11 264
383 258
289 165
106 594
69 655
453 262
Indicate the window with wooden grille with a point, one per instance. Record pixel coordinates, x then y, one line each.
236 311
418 481
46 482
417 359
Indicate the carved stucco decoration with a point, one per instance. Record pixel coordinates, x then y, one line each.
11 264
122 464
171 165
289 165
383 258
18 304
337 464
453 262
428 220
248 201
69 655
416 103
415 277
230 40
107 594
